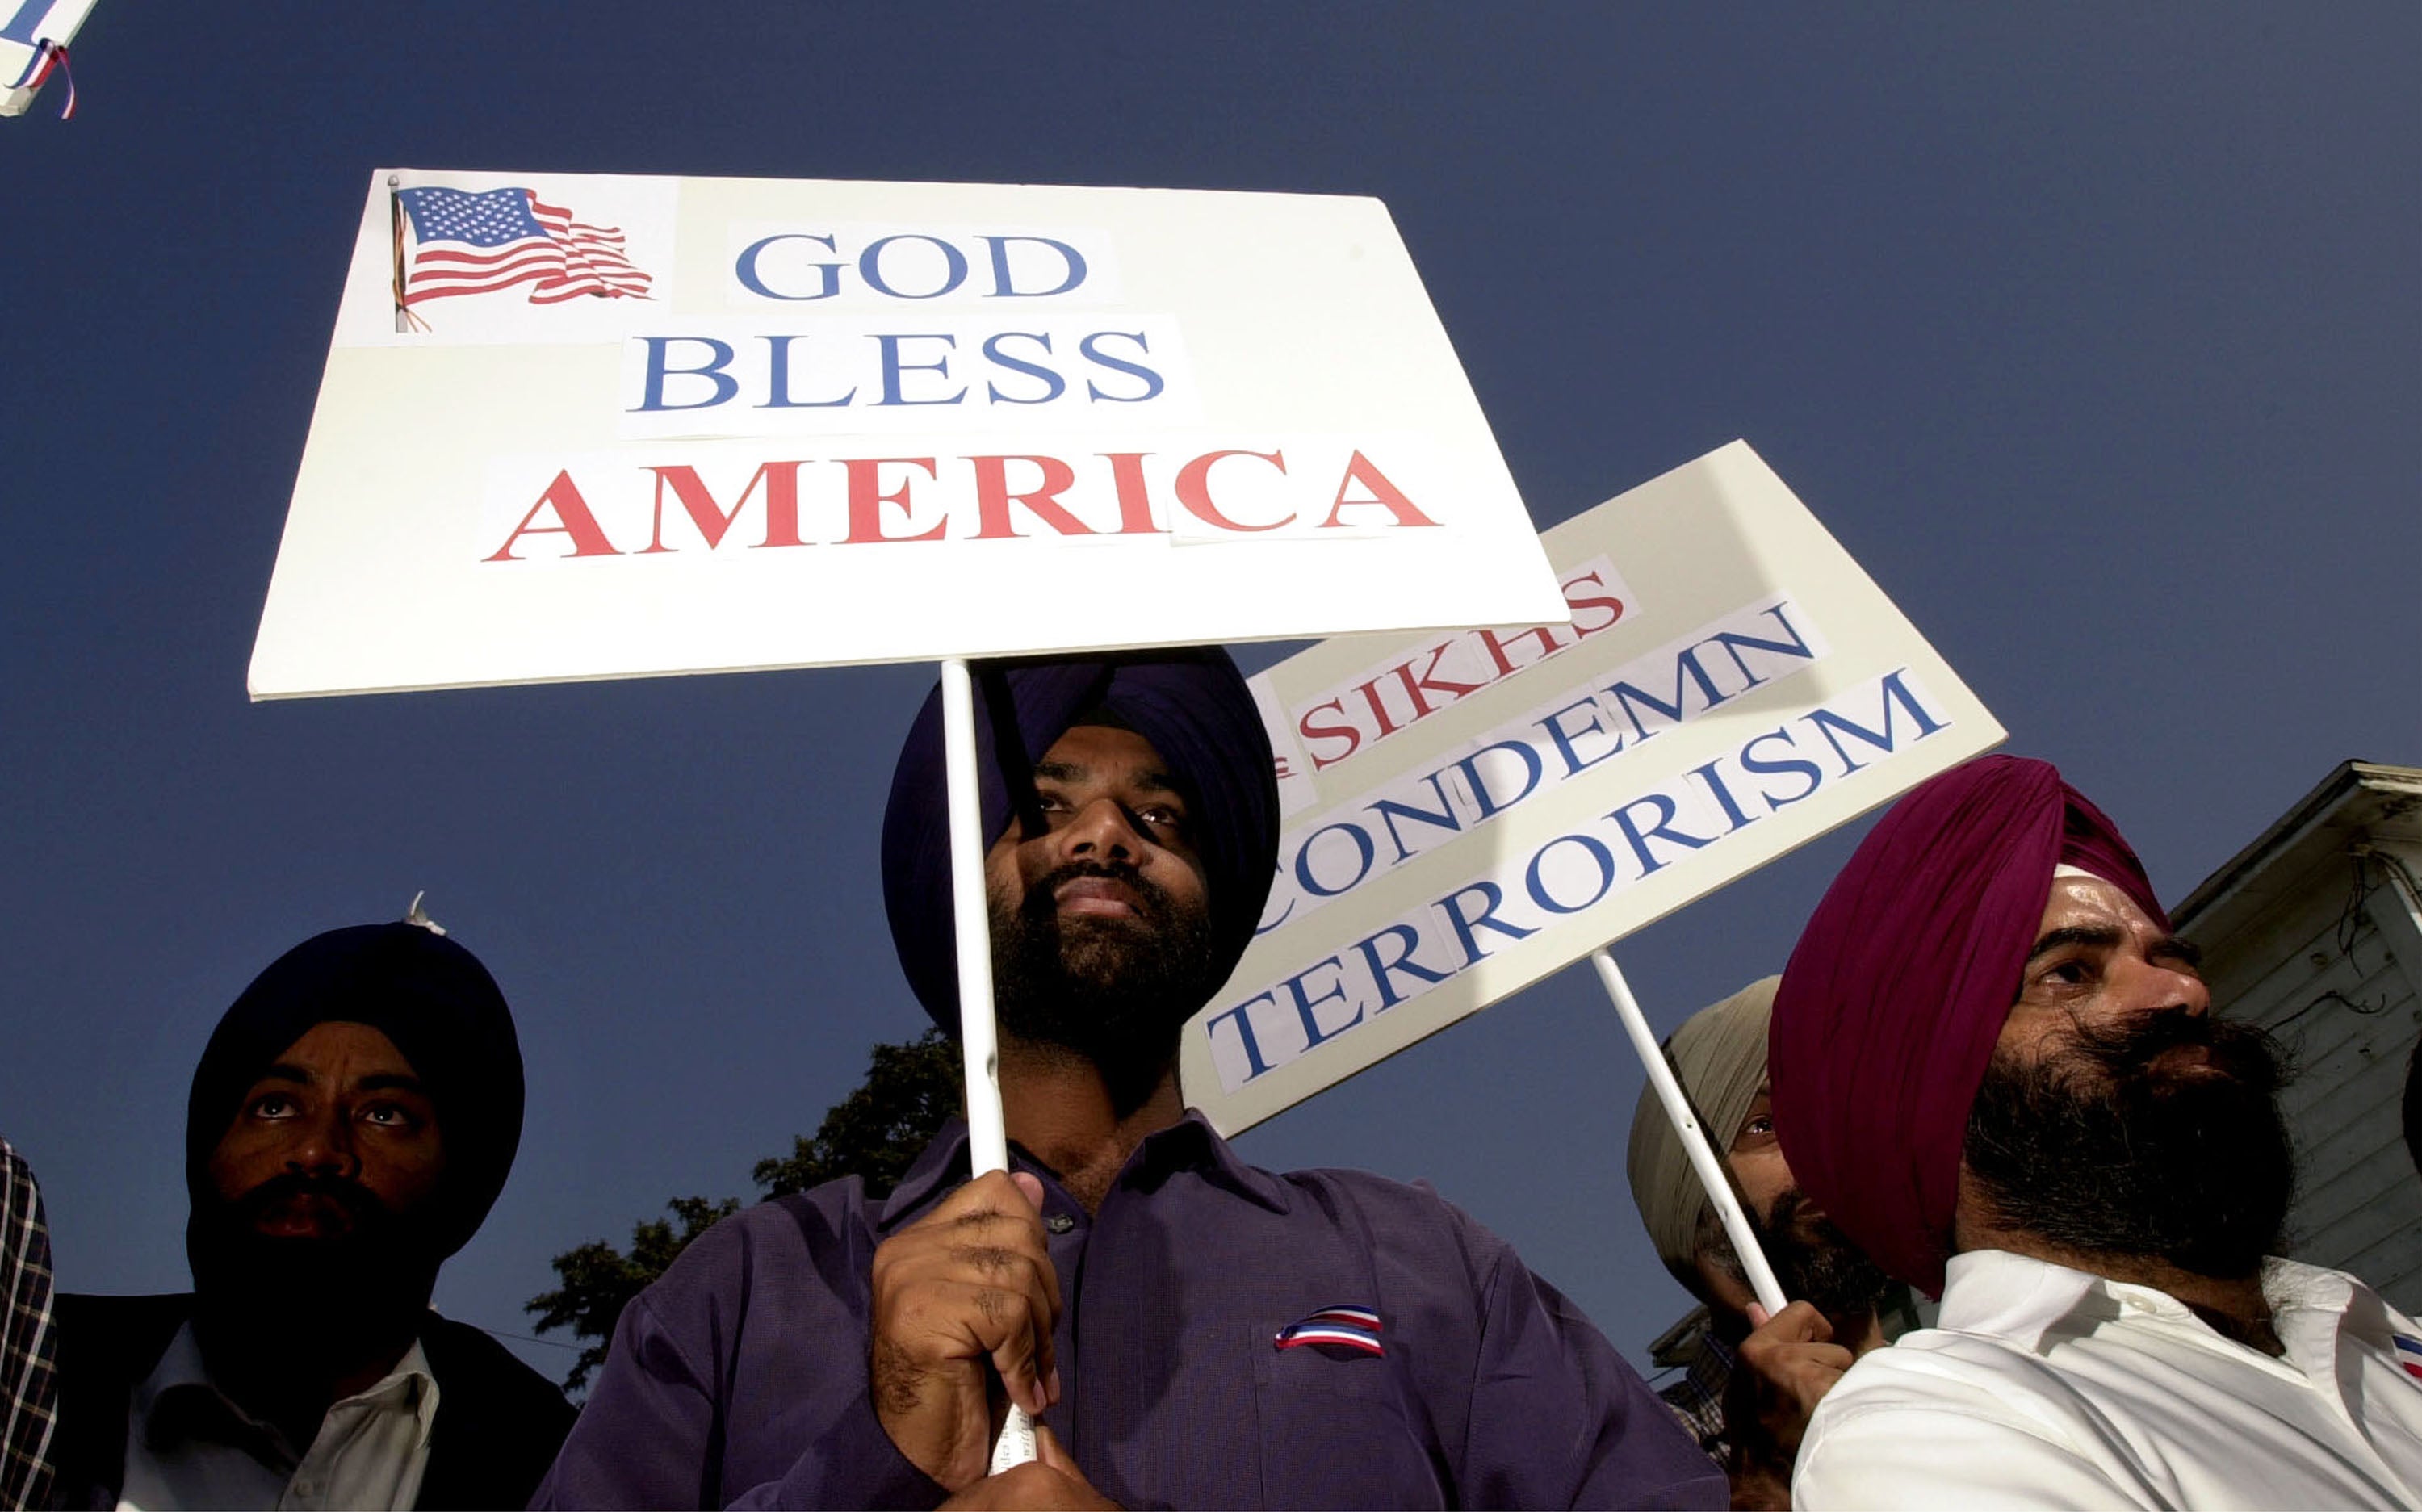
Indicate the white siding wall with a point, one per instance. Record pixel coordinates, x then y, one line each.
2351 1016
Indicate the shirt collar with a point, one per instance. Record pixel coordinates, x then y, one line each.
2012 1296
1193 1143
943 1159
412 1373
1189 1145
183 1380
2022 1299
179 1372
2291 1285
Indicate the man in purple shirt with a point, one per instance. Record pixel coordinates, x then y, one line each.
1187 1330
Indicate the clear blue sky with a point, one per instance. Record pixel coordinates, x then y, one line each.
2096 336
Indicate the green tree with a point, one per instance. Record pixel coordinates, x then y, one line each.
874 1133
597 1278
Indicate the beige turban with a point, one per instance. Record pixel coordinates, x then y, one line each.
1720 1057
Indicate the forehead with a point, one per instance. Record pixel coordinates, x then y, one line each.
1103 753
341 1046
1761 1102
2080 901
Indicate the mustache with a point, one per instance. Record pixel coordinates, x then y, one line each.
1152 899
2126 1051
1823 1252
1791 1206
358 1202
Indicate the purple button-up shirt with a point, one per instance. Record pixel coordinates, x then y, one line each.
740 1378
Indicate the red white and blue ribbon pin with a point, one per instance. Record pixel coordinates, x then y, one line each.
47 55
2409 1354
1350 1327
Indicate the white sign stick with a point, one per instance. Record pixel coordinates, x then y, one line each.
987 1136
1693 1138
979 1042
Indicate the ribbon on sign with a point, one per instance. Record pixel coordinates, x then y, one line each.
48 54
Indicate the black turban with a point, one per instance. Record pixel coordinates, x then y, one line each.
1191 703
427 994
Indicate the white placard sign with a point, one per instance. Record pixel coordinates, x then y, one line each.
24 27
589 426
1467 813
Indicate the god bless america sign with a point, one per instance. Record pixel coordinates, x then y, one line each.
589 426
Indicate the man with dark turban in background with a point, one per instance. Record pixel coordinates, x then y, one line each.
1999 1072
1187 1330
1754 1379
353 1120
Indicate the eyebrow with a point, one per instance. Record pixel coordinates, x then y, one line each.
382 1082
1151 781
2185 951
2108 937
2097 937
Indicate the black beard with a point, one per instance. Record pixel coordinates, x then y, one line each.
317 1303
1817 1262
2095 1150
1814 1262
1115 992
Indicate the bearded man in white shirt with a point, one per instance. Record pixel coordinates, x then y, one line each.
1998 1071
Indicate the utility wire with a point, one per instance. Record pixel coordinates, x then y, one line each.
552 1344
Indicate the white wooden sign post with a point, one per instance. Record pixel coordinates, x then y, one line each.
587 426
1696 1144
971 928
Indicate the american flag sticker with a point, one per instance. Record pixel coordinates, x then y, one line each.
479 244
2409 1354
1350 1327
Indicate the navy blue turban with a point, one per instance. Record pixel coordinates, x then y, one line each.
430 997
1191 703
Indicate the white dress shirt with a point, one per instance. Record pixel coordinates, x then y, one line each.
2046 1387
188 1445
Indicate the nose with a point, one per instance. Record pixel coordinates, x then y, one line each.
324 1146
2195 994
2161 986
1101 831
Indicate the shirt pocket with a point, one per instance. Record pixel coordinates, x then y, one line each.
1336 1430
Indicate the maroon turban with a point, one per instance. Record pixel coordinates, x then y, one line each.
1898 990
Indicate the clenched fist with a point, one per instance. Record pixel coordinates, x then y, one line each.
1788 1365
969 1284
